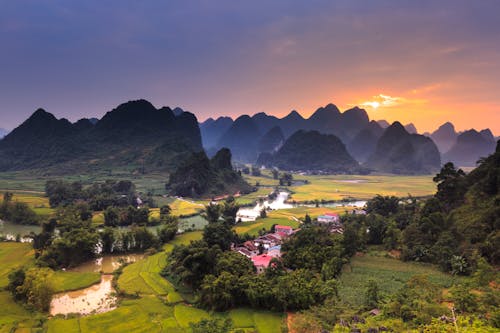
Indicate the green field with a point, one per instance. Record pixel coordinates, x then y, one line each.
13 255
390 275
160 308
342 187
67 281
37 201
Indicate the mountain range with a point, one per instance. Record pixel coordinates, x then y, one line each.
245 135
138 137
3 132
134 135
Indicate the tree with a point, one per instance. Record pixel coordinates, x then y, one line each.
275 173
307 219
383 205
218 234
111 217
451 186
37 288
286 179
165 210
212 213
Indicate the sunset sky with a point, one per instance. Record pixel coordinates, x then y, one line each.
424 62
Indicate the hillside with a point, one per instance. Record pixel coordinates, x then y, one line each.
311 151
365 142
242 139
469 147
212 130
400 152
133 135
199 176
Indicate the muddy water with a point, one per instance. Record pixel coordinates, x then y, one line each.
107 264
98 298
10 230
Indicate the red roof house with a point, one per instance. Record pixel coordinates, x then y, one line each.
284 229
261 262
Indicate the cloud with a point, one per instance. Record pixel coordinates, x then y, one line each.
386 101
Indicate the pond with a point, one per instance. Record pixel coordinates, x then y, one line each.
10 230
97 298
107 264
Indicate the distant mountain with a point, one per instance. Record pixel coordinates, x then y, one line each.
212 130
383 123
242 139
326 120
198 176
291 123
400 152
271 141
265 122
364 143
134 135
444 137
311 151
410 128
3 132
469 147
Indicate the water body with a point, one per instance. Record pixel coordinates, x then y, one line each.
251 214
10 230
107 264
98 298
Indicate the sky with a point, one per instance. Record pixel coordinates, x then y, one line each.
425 62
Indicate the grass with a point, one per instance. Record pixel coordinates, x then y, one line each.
341 187
36 201
67 281
12 256
390 275
150 314
153 312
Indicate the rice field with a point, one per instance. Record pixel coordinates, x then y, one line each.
160 308
342 187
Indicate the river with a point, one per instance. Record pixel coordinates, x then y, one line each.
251 214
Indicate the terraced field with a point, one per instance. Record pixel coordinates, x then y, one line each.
160 308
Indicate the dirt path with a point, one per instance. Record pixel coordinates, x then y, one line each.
289 320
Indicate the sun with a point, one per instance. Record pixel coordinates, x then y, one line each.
374 104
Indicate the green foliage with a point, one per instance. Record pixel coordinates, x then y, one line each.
33 286
212 326
17 212
314 248
372 297
114 217
198 176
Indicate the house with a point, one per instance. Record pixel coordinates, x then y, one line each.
274 251
261 262
268 241
287 230
329 218
244 251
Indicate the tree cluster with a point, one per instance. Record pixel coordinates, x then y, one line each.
17 212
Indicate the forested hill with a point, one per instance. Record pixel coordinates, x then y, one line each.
311 151
462 221
135 135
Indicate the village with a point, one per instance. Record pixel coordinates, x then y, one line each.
263 249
